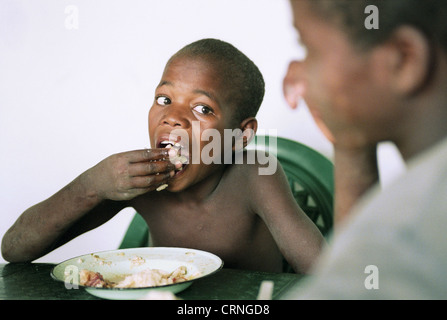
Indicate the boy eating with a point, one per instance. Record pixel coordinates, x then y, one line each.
250 220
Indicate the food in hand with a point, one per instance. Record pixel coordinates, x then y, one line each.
179 155
162 187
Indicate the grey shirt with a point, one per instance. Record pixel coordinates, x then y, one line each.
394 245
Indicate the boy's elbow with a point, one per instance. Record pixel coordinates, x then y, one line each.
10 254
6 255
13 257
6 251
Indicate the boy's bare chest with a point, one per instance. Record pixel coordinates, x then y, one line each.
213 216
224 226
210 223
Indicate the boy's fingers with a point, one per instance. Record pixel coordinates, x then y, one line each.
147 154
150 168
150 182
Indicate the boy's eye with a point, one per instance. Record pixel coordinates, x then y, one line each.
203 109
162 100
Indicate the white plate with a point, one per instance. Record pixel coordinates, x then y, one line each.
119 262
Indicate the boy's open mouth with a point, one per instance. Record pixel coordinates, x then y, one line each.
180 155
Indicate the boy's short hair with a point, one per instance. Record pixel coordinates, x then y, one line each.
239 74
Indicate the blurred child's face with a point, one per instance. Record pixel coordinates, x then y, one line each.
342 83
188 101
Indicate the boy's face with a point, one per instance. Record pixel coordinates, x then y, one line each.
343 84
189 100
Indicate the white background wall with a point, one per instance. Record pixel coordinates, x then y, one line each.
71 97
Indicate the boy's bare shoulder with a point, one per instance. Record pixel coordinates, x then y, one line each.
254 164
262 181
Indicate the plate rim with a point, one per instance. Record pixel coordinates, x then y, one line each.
53 276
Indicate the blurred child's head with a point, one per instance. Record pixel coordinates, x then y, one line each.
367 82
429 16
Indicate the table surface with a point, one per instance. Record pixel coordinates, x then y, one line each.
32 281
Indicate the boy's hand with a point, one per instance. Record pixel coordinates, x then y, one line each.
124 176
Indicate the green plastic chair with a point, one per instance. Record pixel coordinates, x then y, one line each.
310 176
137 234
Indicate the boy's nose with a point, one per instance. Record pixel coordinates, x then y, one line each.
175 119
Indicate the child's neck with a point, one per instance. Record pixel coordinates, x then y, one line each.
204 189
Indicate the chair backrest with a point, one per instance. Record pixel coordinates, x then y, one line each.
310 176
137 234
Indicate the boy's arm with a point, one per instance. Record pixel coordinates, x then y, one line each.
87 202
298 238
55 221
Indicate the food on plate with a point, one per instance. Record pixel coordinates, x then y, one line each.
145 278
93 279
136 261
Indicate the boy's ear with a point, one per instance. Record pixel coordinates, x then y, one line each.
249 126
407 55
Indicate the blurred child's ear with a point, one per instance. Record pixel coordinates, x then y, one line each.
249 126
405 61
